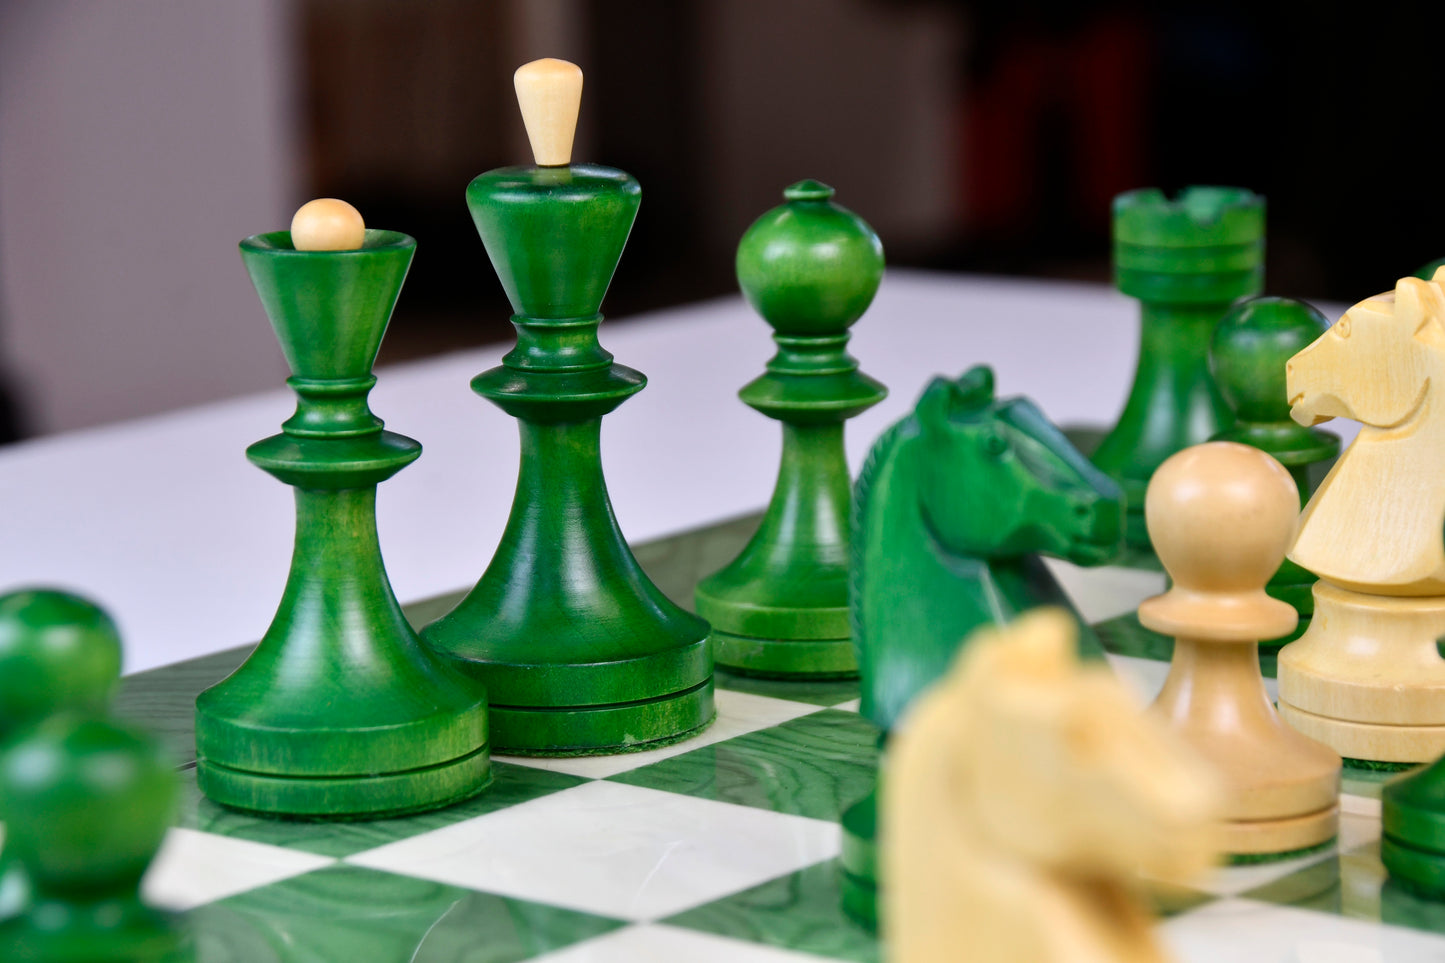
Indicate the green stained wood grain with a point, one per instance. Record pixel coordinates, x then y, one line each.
1186 259
579 651
339 711
810 267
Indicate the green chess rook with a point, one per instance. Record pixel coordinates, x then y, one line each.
1186 259
579 651
87 803
58 653
340 711
810 267
1252 343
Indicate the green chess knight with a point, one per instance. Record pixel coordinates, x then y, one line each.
954 507
578 650
810 268
1186 259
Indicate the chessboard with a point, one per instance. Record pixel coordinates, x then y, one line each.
719 849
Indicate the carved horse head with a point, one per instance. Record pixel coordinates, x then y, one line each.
1375 364
999 480
1070 774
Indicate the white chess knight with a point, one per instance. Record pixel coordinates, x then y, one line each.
1367 678
1375 523
1021 799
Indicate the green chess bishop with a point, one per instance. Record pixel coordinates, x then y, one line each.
810 267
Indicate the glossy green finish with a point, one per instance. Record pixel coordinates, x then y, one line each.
58 653
357 915
512 785
811 268
578 650
1247 357
1186 259
87 803
811 766
1413 828
953 508
798 912
340 712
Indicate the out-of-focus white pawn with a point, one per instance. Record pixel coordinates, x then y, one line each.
1221 516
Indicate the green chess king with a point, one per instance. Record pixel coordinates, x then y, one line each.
579 651
340 711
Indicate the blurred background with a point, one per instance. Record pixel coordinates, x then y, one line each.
139 141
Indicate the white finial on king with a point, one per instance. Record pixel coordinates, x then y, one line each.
549 91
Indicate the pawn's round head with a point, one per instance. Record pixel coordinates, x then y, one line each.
1251 346
810 267
87 804
58 652
1221 516
327 224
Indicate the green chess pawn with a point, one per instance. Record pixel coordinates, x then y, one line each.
340 711
579 651
810 268
1412 841
58 653
1251 345
87 804
1186 259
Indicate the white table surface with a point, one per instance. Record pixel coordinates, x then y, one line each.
164 522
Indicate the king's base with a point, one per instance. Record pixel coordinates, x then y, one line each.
602 729
1365 744
859 861
786 658
1421 871
1256 840
346 797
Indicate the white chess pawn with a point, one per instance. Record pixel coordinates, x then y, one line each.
1221 517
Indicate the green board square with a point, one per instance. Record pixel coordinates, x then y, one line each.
801 911
815 765
511 785
350 914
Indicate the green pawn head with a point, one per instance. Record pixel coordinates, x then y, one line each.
810 267
87 804
58 652
1251 346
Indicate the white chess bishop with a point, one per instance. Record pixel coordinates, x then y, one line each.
1367 678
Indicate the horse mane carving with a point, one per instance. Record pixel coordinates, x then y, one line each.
1374 523
953 506
1024 792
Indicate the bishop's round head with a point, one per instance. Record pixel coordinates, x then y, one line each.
1221 516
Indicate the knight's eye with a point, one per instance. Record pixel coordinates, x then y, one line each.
994 443
1342 327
